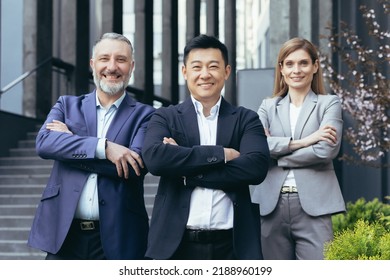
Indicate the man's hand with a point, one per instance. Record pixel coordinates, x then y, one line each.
230 154
122 156
58 126
170 141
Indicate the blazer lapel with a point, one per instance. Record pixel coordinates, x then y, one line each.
283 112
189 122
226 123
307 108
126 108
90 118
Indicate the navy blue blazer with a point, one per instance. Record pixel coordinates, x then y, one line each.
123 217
205 166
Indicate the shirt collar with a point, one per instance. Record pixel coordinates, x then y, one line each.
199 107
116 103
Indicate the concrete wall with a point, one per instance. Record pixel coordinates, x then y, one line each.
11 57
23 125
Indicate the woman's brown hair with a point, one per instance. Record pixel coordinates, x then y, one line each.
292 45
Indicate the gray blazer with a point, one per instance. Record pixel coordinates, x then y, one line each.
318 187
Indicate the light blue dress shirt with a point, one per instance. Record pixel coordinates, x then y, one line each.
88 205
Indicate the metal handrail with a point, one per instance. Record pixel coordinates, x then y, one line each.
69 68
55 61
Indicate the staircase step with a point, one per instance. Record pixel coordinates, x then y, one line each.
19 210
34 179
32 161
17 199
149 199
19 250
14 233
16 221
25 169
22 152
32 135
21 189
23 177
151 179
26 144
36 255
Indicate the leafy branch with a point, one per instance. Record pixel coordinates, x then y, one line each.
362 84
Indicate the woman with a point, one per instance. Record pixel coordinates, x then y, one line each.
304 127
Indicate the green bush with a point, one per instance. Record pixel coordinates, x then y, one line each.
366 241
362 233
372 211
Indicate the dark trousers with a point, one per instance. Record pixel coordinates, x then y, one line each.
206 245
81 243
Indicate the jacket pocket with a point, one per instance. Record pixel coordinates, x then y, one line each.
50 192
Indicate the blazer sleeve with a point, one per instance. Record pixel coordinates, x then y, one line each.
205 165
331 113
78 149
278 145
64 146
250 168
171 160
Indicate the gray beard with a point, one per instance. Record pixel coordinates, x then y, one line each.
111 89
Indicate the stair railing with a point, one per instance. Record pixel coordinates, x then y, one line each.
68 69
56 62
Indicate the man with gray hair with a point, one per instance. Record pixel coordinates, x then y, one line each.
93 205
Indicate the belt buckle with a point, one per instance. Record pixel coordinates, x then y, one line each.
87 225
288 189
199 236
195 235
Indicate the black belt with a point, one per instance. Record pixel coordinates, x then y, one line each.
85 224
207 236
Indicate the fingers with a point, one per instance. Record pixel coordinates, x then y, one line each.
168 140
137 158
330 134
119 169
122 157
58 126
134 165
230 154
122 167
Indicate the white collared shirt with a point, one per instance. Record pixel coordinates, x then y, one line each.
294 113
209 208
88 205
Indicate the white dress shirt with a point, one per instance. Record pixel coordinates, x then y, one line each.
88 205
294 113
209 208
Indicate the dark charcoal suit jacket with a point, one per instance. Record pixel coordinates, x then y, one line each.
205 166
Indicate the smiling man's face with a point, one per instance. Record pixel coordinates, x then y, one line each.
205 72
112 64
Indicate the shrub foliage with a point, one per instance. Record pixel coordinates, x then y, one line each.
362 233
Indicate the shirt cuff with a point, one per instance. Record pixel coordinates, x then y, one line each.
101 148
